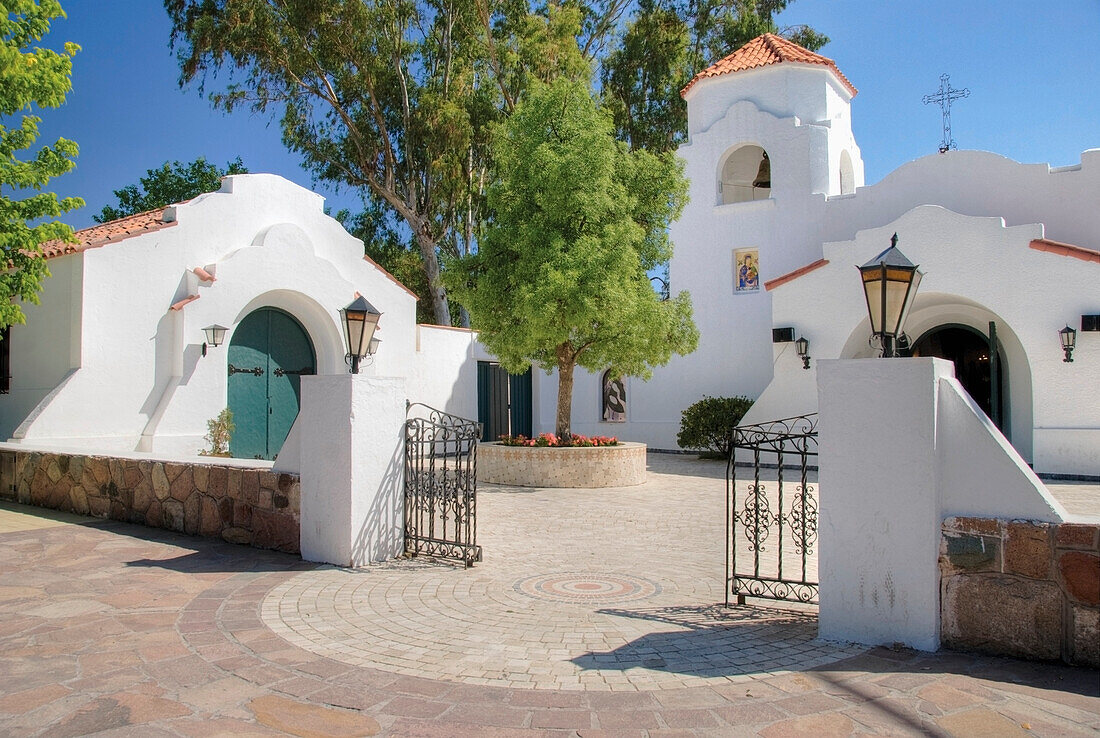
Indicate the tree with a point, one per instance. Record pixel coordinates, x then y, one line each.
560 279
167 184
30 76
666 43
390 98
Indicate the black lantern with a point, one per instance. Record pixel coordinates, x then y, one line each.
890 282
1069 341
215 335
803 348
360 323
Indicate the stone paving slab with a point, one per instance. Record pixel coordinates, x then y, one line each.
166 635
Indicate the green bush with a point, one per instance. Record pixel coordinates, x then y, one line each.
219 432
706 426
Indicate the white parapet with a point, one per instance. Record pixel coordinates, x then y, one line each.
351 435
902 446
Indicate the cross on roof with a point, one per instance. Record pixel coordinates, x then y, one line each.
946 94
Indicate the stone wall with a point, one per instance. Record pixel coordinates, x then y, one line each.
255 507
1021 588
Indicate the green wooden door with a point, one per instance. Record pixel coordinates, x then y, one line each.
503 401
269 353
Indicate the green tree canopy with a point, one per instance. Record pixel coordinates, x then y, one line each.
390 98
167 184
664 45
30 76
560 279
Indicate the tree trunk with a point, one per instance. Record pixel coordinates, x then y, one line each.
566 362
440 308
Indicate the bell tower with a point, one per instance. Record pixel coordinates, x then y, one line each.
774 120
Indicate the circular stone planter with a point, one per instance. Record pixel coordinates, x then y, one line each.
570 466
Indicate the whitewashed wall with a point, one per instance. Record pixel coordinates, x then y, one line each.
444 372
45 349
140 381
901 447
801 116
976 270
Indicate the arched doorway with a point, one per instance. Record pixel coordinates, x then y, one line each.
980 374
268 354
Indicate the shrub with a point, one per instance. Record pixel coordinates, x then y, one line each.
219 431
707 425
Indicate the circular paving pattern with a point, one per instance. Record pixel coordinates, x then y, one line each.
587 587
567 631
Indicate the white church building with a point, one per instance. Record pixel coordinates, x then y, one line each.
115 357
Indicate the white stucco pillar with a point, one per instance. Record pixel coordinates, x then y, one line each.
880 509
351 429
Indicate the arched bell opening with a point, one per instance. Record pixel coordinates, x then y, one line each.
745 175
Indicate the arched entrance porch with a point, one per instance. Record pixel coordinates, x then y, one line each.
935 312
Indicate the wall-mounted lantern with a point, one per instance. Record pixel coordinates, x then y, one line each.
803 348
215 336
360 322
890 283
1069 341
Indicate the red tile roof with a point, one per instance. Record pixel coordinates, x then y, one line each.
771 284
765 50
136 225
111 232
1065 249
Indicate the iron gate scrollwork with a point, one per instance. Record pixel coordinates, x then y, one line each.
771 529
441 485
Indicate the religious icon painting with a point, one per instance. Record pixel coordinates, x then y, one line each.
614 399
746 270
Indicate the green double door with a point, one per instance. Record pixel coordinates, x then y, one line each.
503 401
268 355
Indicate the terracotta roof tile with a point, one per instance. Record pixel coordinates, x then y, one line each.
1065 249
111 232
765 50
771 284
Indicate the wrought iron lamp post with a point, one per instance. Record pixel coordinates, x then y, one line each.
215 335
1069 341
360 323
890 283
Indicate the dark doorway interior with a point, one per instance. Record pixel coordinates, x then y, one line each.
503 402
969 350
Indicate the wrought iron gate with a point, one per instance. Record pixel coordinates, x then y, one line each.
771 529
441 485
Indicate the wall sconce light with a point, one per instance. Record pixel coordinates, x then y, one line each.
1069 341
803 347
360 323
215 336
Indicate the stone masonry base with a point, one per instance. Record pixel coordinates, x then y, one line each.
579 466
254 507
1021 588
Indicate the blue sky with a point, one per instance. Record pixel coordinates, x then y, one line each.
1032 72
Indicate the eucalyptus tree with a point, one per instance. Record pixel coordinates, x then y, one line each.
390 97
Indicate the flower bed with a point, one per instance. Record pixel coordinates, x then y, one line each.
619 465
544 440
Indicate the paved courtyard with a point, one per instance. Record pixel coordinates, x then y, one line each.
595 612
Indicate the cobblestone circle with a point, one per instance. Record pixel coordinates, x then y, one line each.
619 594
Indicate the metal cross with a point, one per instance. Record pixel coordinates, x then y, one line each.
944 97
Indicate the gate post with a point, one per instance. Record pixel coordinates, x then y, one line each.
351 430
880 508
